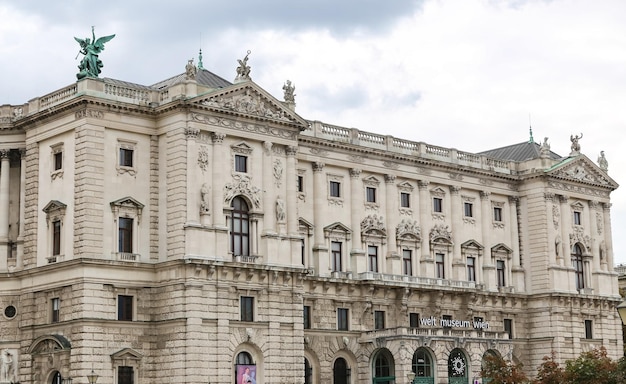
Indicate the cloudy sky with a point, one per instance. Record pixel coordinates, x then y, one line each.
465 74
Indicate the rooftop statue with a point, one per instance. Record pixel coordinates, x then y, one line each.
243 70
90 64
289 92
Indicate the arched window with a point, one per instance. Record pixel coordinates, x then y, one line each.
577 263
383 368
244 358
308 372
341 372
56 378
422 366
489 354
457 367
240 228
245 369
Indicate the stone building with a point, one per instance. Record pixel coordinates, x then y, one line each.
201 231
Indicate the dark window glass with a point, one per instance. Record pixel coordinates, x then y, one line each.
414 320
440 265
303 251
335 248
247 308
241 163
500 270
306 314
125 308
308 372
372 257
422 366
437 205
370 194
125 375
588 329
300 184
577 218
58 161
335 189
244 358
126 157
379 319
471 269
381 366
508 327
446 319
56 237
342 319
240 228
468 209
577 263
125 239
407 262
497 214
405 200
457 366
341 372
55 310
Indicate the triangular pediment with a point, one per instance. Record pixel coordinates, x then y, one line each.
472 244
247 98
242 147
54 205
127 202
405 186
438 191
582 170
127 353
501 249
371 181
337 227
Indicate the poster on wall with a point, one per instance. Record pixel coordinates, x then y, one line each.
246 374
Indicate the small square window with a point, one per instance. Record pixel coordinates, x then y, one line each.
468 209
247 308
405 200
126 157
300 183
335 189
342 319
588 329
241 163
379 319
124 308
577 218
306 314
55 306
58 161
414 320
437 205
497 214
370 194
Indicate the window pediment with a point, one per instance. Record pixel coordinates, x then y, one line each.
501 251
405 186
371 181
54 206
241 148
438 192
337 231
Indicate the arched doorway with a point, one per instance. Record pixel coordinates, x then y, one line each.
422 366
490 353
56 378
341 372
457 367
383 368
308 372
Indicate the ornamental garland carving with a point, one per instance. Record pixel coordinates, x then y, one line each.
373 222
556 215
278 172
249 104
599 223
241 185
576 188
408 228
203 157
579 237
246 127
440 231
89 113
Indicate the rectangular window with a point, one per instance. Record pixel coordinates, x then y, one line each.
447 319
372 257
407 262
335 190
335 249
56 237
58 161
342 319
303 251
508 327
500 271
125 375
467 209
588 329
55 309
379 319
414 320
241 163
497 214
577 218
126 157
437 205
124 308
370 194
471 269
440 266
125 235
247 308
300 184
405 200
306 314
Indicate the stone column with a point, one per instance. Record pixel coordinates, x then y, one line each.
292 194
356 209
513 204
424 222
269 220
608 237
20 237
555 241
4 197
456 224
193 189
593 229
566 224
486 222
391 211
320 249
221 162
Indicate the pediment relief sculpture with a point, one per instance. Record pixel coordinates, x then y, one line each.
439 232
374 223
250 102
242 185
408 228
579 237
582 171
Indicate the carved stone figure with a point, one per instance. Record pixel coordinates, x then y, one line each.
7 374
90 64
243 70
190 70
602 163
280 210
575 145
204 199
289 92
544 150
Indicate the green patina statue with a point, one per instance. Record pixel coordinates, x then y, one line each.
90 64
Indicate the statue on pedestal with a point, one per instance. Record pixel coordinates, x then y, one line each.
90 64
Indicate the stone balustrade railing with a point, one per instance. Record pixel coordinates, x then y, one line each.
428 281
434 332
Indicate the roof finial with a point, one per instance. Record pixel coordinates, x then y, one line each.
200 66
530 140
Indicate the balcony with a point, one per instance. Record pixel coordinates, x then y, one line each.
428 281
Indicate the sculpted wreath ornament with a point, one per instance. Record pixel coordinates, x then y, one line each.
458 366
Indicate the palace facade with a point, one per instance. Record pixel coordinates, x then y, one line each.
200 231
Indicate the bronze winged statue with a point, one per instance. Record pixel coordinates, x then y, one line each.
90 64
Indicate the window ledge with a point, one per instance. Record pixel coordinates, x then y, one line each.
126 256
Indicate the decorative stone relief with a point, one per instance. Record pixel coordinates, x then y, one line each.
278 172
244 126
9 366
267 147
18 113
599 223
203 158
373 222
556 215
89 113
408 228
204 199
356 158
241 185
192 133
319 152
391 164
440 231
579 237
280 210
248 103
